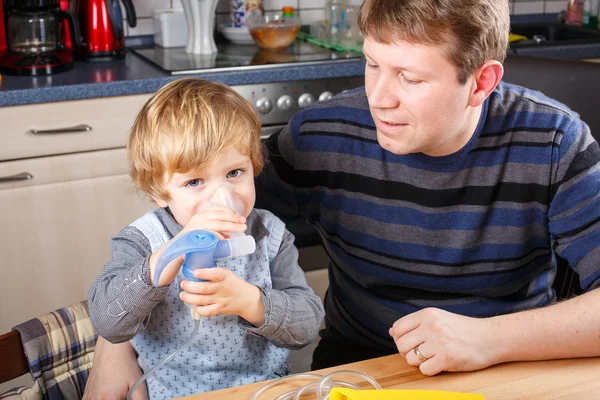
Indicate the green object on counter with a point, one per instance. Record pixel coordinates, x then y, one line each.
337 47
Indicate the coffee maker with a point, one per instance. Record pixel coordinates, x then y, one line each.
32 37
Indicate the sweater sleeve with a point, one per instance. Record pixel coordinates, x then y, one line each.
574 212
276 184
121 299
293 312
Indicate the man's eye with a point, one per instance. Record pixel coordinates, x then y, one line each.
194 183
372 66
235 173
411 81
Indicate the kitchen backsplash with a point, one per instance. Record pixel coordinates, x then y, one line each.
308 10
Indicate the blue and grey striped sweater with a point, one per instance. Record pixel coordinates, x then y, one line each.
474 232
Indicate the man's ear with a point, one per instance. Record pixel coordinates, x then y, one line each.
486 79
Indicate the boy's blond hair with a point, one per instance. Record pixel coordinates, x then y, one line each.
476 31
184 127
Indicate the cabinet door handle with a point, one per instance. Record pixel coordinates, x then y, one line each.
69 129
23 176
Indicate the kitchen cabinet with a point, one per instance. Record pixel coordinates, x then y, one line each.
63 195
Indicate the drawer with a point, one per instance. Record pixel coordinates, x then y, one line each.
64 168
67 127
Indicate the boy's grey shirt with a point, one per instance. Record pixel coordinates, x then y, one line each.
123 304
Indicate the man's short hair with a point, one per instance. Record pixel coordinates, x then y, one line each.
475 31
184 127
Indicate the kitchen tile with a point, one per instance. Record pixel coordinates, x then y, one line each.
530 7
310 16
275 5
144 8
223 6
554 7
311 4
222 19
145 26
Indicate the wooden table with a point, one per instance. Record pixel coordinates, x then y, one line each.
572 379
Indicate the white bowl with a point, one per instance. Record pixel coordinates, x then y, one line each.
236 35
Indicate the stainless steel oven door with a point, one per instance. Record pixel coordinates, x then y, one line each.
267 131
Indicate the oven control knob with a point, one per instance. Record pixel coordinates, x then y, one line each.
325 96
285 102
264 105
305 99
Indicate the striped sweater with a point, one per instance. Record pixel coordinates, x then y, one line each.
474 232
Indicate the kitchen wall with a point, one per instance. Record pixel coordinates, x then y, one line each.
308 10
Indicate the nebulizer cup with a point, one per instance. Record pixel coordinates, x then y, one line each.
201 249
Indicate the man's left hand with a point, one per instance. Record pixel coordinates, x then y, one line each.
444 341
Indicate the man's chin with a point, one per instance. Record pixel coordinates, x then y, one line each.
395 146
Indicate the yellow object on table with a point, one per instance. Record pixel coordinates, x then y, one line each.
397 394
513 37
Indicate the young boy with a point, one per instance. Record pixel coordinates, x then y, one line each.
189 141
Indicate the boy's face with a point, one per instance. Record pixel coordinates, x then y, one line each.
189 192
415 98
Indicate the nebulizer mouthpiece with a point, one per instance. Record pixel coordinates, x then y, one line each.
201 249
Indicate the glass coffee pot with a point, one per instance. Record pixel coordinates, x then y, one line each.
34 27
35 37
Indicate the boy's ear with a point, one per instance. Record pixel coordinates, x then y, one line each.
158 200
486 78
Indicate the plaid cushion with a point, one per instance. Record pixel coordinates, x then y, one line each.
60 349
22 393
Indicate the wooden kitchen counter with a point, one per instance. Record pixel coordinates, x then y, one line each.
544 380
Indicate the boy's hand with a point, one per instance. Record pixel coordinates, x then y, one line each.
224 293
217 220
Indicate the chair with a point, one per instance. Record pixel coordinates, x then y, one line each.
57 349
14 362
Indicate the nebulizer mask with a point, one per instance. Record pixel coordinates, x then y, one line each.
201 249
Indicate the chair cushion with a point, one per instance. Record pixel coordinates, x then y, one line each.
22 393
59 347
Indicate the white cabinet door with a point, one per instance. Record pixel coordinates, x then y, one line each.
55 228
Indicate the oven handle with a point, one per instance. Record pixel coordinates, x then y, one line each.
267 131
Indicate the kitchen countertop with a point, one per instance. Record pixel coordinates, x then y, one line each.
133 75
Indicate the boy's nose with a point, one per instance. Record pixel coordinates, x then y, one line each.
223 196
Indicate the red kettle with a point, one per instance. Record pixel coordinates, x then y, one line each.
101 27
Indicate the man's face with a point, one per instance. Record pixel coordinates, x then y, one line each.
416 100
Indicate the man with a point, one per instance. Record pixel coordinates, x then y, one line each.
442 197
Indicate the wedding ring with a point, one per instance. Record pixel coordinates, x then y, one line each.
420 356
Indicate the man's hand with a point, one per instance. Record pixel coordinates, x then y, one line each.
224 293
114 372
445 341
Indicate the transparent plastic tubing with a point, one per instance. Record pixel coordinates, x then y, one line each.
163 362
319 384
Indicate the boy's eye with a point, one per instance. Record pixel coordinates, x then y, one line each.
194 183
235 173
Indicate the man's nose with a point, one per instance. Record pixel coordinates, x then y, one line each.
383 93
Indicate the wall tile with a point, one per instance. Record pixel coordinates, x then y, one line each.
309 16
275 5
312 4
223 6
553 7
530 7
145 26
311 10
